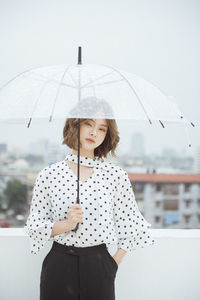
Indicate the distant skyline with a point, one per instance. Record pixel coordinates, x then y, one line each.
156 138
157 40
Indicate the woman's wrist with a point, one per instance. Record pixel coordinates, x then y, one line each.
60 227
118 256
68 226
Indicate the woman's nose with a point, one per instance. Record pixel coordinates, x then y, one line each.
93 131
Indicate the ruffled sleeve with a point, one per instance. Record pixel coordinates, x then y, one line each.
39 223
131 227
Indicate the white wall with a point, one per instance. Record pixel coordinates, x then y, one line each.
168 270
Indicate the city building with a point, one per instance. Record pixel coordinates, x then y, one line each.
168 200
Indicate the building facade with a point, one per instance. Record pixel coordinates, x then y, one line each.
168 200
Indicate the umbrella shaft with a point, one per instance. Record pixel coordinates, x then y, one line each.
78 165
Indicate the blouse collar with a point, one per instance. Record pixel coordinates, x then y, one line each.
84 160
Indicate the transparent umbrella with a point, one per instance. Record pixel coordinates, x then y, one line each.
85 91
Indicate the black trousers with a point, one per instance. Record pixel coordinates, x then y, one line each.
78 273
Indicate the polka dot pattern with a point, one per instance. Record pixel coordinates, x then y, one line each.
131 227
110 211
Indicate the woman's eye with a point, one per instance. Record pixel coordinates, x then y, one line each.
91 125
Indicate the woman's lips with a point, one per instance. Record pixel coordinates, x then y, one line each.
89 141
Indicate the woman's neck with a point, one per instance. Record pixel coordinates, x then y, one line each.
84 153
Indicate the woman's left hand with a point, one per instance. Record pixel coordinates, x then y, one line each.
118 256
118 261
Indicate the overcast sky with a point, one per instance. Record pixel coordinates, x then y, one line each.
155 39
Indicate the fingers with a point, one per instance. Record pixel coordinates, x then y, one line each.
75 213
75 207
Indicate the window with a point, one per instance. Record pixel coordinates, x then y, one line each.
187 218
187 187
158 203
171 189
158 187
170 204
171 218
139 187
188 202
157 219
198 217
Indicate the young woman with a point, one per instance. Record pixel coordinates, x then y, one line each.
79 265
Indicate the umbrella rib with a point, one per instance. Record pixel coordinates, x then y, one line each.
178 110
57 92
35 105
132 88
85 85
23 73
93 86
15 77
51 79
187 132
108 82
73 79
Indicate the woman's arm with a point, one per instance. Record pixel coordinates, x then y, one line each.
40 221
131 227
60 227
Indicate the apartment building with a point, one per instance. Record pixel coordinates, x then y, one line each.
168 200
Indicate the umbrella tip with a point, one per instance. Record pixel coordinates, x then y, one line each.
29 123
150 121
162 124
79 56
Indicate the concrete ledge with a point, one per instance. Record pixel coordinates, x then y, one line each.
170 269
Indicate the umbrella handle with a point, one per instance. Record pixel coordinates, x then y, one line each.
75 229
77 225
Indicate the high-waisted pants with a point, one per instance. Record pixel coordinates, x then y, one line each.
78 273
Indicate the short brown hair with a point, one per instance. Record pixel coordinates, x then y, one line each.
70 137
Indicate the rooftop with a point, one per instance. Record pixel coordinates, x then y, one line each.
154 177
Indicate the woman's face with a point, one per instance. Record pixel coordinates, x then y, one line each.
94 129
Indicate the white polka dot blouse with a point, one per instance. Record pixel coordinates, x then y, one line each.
110 211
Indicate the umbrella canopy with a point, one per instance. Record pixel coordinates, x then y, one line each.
53 92
85 91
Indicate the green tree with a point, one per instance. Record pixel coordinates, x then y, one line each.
1 200
16 195
34 159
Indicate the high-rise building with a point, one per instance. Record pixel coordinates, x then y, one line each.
137 145
3 148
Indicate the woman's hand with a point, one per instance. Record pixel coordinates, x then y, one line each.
118 261
74 215
118 256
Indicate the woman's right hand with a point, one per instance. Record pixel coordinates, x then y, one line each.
74 215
